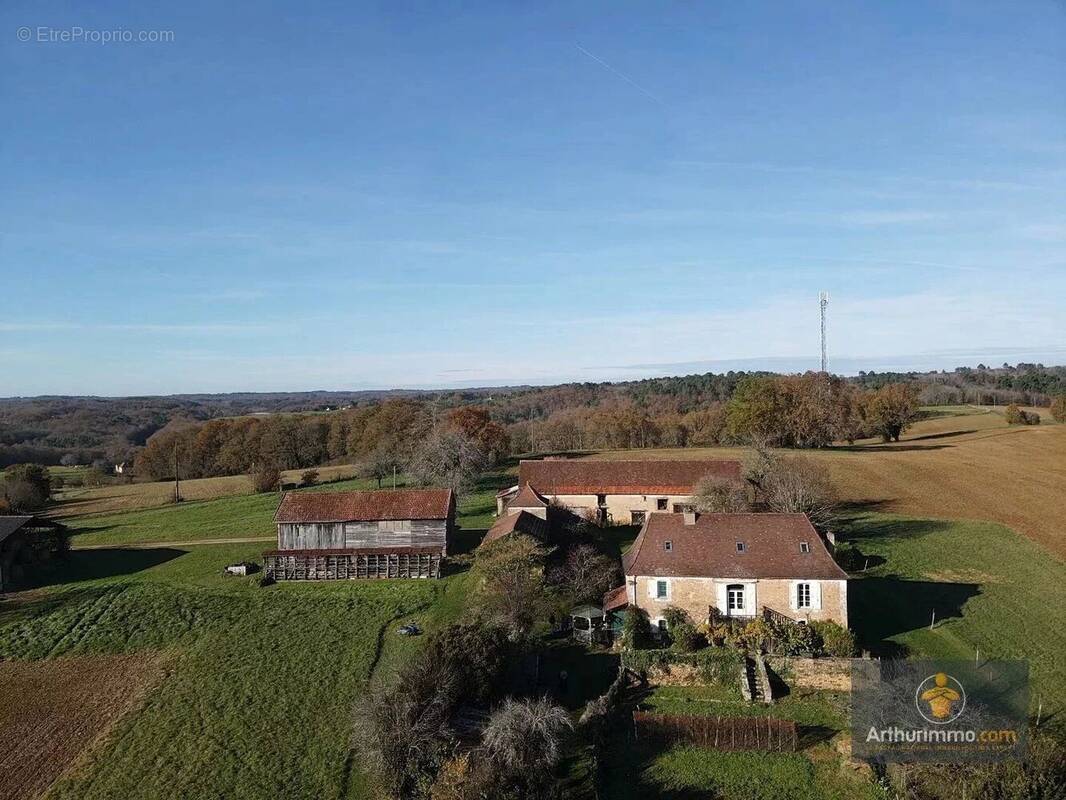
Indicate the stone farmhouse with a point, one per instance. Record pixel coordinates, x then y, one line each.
622 492
347 535
732 566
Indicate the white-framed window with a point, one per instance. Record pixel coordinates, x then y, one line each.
805 547
668 545
734 598
740 547
803 596
660 504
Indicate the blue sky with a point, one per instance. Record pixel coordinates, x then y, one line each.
339 196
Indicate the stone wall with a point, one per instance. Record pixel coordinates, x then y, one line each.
825 674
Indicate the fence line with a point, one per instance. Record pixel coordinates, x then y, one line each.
719 733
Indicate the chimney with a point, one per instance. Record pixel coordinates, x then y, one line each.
690 517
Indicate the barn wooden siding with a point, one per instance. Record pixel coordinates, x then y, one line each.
312 566
354 535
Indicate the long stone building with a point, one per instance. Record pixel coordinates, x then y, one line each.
622 492
346 535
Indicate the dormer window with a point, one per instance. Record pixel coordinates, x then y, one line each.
668 545
740 547
805 547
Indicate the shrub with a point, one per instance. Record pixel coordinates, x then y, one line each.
1058 408
309 477
715 664
793 639
26 487
509 575
1017 416
752 636
636 629
524 744
266 479
833 639
478 652
687 638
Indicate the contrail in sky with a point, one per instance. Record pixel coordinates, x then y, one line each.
624 77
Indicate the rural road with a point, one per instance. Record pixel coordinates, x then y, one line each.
149 545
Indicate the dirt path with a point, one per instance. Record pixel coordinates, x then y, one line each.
153 545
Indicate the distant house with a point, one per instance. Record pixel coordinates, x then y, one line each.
26 542
347 535
624 492
733 565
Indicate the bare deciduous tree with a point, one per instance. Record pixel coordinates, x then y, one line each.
714 494
794 484
450 459
587 574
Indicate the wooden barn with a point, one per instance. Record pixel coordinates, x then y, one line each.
348 535
25 543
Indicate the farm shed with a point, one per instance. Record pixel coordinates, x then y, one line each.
26 542
349 535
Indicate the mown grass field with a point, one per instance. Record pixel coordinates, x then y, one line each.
954 466
117 497
240 516
262 684
991 589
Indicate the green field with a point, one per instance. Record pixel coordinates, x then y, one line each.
238 517
990 588
263 683
261 695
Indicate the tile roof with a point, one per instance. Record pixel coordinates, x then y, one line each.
708 549
528 497
521 522
616 598
14 522
588 476
356 506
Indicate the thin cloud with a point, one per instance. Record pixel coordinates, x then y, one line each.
621 75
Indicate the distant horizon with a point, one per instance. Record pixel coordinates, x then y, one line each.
918 363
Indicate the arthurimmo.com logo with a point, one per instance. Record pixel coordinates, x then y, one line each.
943 711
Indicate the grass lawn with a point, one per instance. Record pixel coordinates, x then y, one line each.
261 693
262 683
991 589
643 769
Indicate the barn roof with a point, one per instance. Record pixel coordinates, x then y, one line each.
773 547
11 523
393 504
586 476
